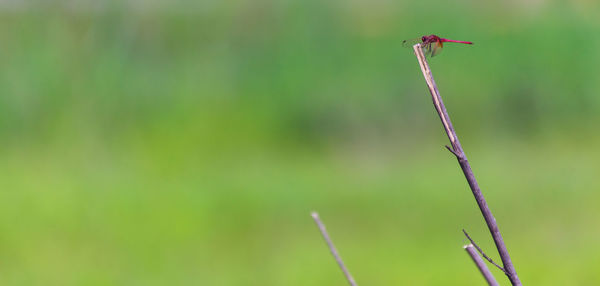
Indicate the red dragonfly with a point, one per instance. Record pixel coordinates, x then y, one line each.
432 44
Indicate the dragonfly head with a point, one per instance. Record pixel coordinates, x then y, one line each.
424 38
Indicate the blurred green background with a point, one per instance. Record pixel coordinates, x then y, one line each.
185 143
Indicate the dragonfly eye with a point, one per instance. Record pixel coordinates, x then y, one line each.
423 39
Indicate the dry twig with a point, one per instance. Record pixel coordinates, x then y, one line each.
332 248
466 167
481 265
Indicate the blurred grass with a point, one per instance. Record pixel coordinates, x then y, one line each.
184 144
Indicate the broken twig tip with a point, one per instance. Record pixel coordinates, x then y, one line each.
485 271
334 251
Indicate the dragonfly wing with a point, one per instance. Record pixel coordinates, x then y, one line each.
427 50
436 48
411 42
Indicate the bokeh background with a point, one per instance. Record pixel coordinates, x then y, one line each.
185 143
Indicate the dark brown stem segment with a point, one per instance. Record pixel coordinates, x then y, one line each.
485 271
466 168
334 251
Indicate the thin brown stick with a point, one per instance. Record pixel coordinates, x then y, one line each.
466 168
332 248
481 265
483 253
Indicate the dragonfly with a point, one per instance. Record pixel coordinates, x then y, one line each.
432 45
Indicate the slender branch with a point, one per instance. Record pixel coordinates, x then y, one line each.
482 253
466 167
334 251
481 265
